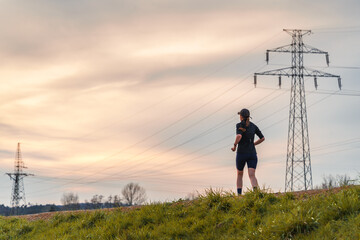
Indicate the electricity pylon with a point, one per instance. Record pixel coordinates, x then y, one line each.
18 192
298 162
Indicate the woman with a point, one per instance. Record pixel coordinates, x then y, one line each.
246 153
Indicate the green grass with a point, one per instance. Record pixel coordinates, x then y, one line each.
217 215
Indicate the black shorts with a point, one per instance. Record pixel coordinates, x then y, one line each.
249 158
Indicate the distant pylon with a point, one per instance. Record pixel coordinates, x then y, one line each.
18 192
298 162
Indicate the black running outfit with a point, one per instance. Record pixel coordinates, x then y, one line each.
246 152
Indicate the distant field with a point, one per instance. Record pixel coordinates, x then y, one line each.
332 214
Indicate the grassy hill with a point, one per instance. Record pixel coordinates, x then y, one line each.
333 214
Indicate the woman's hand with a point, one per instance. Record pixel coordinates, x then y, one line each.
237 140
233 148
259 141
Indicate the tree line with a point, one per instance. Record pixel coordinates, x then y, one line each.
131 194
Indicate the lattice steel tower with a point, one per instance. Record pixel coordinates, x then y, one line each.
298 161
18 192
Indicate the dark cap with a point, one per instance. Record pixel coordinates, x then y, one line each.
244 113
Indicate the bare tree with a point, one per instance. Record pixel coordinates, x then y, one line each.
343 180
70 201
328 182
134 194
108 203
192 196
116 201
340 181
96 201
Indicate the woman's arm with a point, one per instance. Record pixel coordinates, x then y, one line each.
259 141
237 140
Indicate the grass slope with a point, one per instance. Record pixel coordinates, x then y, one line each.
217 215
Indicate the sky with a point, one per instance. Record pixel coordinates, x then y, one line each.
103 93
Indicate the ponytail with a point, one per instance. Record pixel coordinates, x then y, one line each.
245 114
247 121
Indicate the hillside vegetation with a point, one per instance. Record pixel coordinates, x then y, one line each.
216 215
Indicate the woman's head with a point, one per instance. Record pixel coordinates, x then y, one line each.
245 116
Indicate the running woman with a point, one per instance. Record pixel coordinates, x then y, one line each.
246 152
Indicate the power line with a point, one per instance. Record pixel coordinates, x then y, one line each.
335 28
203 134
349 29
168 126
225 168
316 102
336 144
332 66
192 112
192 84
212 151
172 124
315 155
321 148
341 94
321 91
229 135
167 98
109 167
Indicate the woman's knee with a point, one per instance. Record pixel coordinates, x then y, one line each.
240 173
251 172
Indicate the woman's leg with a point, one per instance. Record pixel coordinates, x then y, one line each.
239 181
252 177
240 164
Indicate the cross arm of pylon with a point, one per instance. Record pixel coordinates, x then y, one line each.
13 176
298 31
310 49
276 72
284 49
19 174
306 73
28 174
316 73
289 48
10 175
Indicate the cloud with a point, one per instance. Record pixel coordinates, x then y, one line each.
8 129
6 153
83 80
